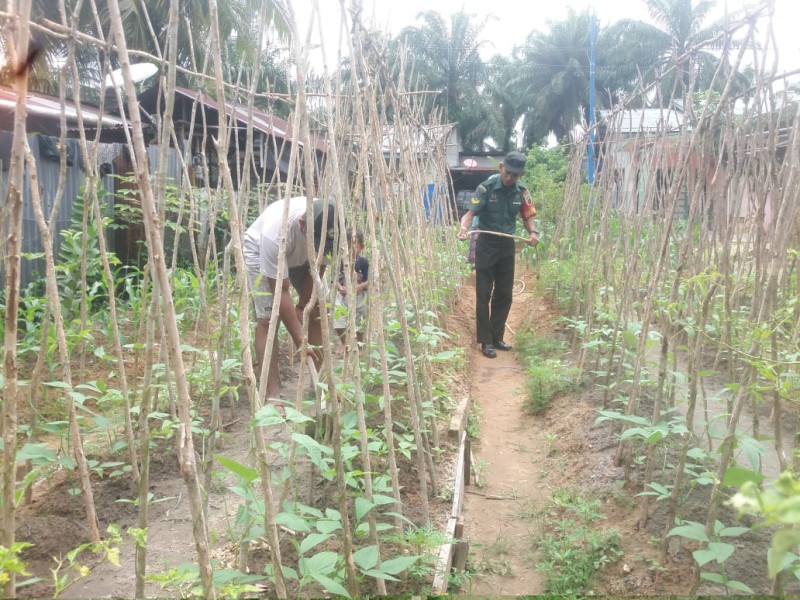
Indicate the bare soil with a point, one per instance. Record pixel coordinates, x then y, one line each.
518 460
521 458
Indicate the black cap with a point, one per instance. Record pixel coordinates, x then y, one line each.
514 162
327 231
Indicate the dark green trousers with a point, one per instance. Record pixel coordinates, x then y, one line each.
494 285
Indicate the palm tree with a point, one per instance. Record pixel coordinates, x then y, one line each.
507 98
555 77
146 29
671 51
629 55
445 58
238 23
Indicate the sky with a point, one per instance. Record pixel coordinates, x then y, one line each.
509 21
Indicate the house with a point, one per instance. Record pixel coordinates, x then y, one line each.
44 128
469 172
644 145
196 116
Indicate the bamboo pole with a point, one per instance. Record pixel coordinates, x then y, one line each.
63 352
18 57
186 453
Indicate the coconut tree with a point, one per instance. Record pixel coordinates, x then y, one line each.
555 76
146 29
673 50
507 99
444 56
669 49
629 54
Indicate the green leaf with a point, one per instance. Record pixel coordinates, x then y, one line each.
363 506
715 577
753 449
690 530
295 416
57 384
292 521
366 558
379 575
38 453
56 427
401 517
311 445
697 454
334 587
321 563
788 511
398 565
635 431
363 528
267 416
247 473
783 541
718 551
738 585
732 531
381 499
442 356
311 540
328 526
288 572
660 490
737 476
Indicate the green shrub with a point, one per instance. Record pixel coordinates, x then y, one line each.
548 375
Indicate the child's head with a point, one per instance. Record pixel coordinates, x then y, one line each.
356 242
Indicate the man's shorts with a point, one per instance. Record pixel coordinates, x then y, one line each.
259 287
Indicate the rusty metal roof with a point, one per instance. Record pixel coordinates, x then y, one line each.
44 115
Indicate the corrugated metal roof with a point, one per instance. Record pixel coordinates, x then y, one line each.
644 120
44 112
425 138
262 121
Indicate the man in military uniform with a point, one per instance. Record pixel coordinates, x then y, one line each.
498 201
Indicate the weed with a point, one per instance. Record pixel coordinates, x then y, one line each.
549 443
494 559
446 493
528 510
474 421
572 549
480 469
548 376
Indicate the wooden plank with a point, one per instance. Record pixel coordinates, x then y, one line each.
460 555
458 421
445 560
455 525
467 460
458 484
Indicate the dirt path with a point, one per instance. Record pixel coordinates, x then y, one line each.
508 475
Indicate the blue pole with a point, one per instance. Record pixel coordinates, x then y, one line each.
590 153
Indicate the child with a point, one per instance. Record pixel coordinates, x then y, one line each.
360 278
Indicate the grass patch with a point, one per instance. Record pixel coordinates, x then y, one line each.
572 548
494 558
548 374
